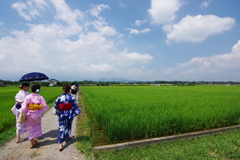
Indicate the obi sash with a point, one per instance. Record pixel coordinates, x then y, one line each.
65 106
34 107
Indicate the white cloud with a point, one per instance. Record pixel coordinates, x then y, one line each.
122 4
139 58
102 27
125 59
140 22
30 9
64 12
135 31
163 11
96 9
197 28
212 68
1 23
48 48
101 68
205 4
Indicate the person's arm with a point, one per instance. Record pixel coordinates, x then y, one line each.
44 104
24 104
56 106
14 110
76 108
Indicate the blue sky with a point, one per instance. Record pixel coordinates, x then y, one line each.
187 40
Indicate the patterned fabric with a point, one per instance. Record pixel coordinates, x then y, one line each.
65 116
64 128
33 121
16 109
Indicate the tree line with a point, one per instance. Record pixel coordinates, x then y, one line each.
129 83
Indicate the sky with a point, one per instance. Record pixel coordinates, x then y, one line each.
143 40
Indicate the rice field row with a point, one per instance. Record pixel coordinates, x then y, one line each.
7 98
128 113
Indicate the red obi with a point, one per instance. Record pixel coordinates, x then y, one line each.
65 106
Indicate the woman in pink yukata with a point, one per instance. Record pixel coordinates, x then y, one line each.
34 106
20 96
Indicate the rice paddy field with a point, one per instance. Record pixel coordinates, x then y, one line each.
133 112
7 99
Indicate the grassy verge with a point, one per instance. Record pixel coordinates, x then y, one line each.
7 135
83 139
217 146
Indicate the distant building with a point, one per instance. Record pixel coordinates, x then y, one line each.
53 82
1 83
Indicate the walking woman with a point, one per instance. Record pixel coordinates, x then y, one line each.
20 96
34 106
66 109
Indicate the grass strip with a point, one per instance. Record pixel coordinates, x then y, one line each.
225 145
7 135
83 139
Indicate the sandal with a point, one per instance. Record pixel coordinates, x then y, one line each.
61 149
21 140
32 146
35 141
69 138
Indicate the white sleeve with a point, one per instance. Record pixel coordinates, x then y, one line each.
14 110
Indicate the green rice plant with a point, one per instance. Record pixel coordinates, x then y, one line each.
127 113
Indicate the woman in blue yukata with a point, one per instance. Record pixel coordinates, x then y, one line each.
66 109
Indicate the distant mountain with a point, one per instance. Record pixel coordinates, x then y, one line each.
112 79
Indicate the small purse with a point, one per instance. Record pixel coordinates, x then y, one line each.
22 117
54 111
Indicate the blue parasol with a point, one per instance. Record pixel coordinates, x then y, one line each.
33 76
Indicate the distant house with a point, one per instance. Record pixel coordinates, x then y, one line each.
53 82
1 82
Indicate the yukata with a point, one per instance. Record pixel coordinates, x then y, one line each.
16 109
66 109
34 106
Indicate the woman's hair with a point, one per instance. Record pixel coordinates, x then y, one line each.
35 88
66 88
24 84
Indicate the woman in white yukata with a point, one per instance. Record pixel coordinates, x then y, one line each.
20 96
34 106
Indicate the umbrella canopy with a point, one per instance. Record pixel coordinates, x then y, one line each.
33 76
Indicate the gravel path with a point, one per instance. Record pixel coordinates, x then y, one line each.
48 147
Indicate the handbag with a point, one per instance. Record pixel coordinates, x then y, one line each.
22 117
54 111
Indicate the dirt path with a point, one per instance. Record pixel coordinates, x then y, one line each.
48 147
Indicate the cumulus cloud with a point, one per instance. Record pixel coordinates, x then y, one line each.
48 48
30 9
140 22
205 4
123 5
65 13
135 31
163 11
96 9
213 68
197 28
103 28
